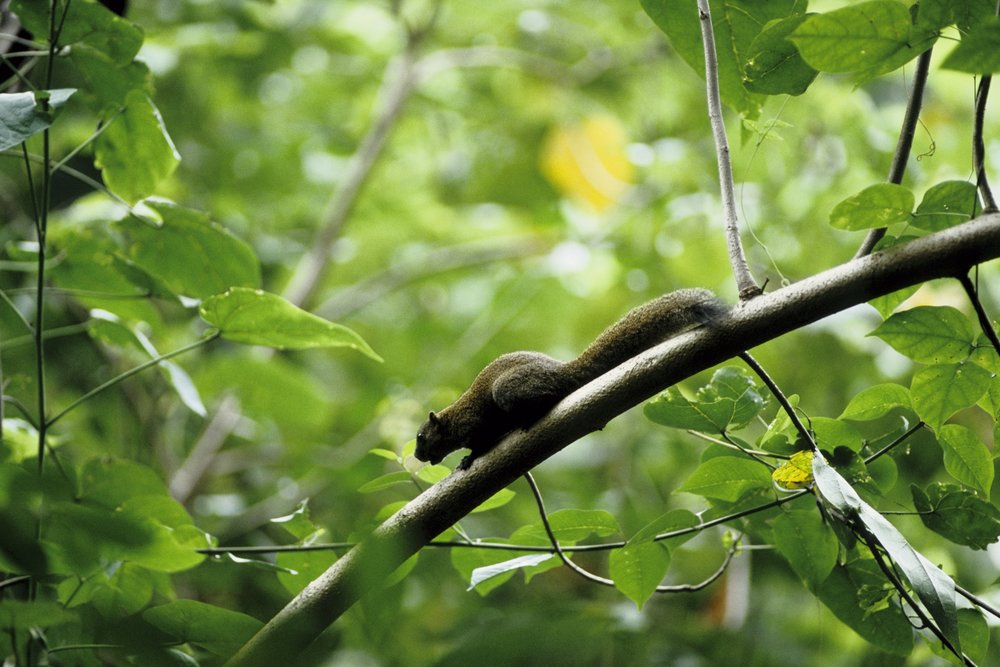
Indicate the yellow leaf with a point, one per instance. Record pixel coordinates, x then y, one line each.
796 474
586 161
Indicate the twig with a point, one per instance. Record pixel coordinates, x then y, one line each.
745 282
589 576
14 581
729 445
984 320
895 443
679 588
905 142
127 374
873 546
979 602
692 588
781 398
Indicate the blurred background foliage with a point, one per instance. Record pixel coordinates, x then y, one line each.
552 168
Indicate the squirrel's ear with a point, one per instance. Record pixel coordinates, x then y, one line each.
433 418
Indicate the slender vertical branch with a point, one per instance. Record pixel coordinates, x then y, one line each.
905 143
745 282
979 148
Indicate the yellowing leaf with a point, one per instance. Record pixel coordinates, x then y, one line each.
586 162
796 474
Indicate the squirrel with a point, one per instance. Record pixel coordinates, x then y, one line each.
515 390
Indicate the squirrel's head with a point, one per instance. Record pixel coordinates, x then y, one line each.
432 440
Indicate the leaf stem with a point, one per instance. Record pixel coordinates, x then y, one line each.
129 373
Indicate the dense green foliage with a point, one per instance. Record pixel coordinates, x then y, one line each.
473 178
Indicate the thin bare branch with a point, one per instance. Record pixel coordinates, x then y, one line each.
745 283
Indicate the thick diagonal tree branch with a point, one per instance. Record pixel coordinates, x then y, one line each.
945 254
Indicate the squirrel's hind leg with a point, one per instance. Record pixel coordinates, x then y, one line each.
530 389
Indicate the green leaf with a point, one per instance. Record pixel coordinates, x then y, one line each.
869 37
929 334
90 262
25 114
831 433
966 458
876 206
111 482
126 592
957 514
941 390
885 305
729 400
570 526
21 615
727 478
884 473
301 567
498 499
187 252
876 401
946 205
979 50
109 81
671 408
135 152
733 386
215 629
19 442
298 524
844 593
669 522
637 569
975 634
934 588
807 543
386 481
774 66
255 317
735 24
85 21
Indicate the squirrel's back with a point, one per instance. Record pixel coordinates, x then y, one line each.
643 327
